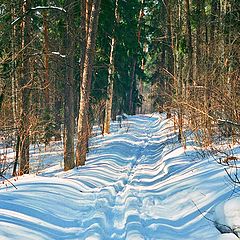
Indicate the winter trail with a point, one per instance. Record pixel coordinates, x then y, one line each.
137 184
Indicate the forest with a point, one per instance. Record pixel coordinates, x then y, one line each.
65 60
69 67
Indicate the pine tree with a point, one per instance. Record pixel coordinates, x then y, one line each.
83 118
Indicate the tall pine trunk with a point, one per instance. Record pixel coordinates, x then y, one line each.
83 120
170 57
132 86
24 85
108 105
69 44
111 71
179 77
14 64
189 76
47 134
199 38
189 36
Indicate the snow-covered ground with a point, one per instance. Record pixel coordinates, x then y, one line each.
138 183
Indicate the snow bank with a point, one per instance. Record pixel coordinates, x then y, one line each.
227 218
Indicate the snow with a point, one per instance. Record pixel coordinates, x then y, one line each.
228 236
138 183
59 54
40 8
227 215
48 7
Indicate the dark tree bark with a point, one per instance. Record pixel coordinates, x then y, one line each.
46 79
69 44
189 77
199 38
46 59
16 157
132 86
132 105
57 117
2 96
169 57
111 71
25 84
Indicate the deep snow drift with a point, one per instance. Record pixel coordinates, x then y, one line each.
138 183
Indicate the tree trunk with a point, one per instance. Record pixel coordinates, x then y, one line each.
25 83
69 45
57 117
108 106
170 58
189 77
88 9
81 149
111 70
46 60
47 134
2 96
132 102
211 66
132 86
199 39
14 87
179 78
86 6
16 157
14 64
170 43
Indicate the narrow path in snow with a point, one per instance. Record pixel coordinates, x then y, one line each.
129 207
127 193
138 183
129 202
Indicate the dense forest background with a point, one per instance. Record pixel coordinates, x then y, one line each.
67 65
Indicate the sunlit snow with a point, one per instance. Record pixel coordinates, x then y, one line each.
138 183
